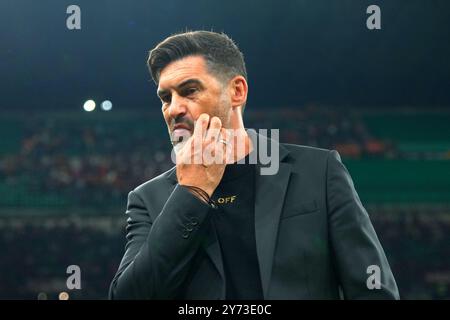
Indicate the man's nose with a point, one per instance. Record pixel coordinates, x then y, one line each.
177 107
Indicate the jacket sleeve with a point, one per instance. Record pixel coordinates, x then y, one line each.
158 254
356 249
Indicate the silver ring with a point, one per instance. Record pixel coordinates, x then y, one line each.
224 141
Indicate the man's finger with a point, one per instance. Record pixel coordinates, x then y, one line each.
214 130
200 128
223 150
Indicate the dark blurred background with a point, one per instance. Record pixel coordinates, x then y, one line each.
379 97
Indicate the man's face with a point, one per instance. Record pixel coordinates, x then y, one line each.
187 89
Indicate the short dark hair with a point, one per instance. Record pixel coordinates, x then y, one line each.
223 58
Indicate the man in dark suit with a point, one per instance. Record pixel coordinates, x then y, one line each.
224 230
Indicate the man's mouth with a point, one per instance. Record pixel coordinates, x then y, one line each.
180 133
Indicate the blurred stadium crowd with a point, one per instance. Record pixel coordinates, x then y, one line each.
102 161
93 164
64 181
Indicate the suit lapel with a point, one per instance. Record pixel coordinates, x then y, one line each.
270 191
269 199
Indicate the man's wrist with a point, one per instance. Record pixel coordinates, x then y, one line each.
195 194
201 194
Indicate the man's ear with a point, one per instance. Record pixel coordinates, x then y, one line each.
238 91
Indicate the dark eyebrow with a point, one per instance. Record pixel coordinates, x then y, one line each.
162 92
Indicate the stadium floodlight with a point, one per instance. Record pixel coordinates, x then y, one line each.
106 105
89 105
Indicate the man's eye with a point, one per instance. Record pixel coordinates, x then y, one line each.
190 91
165 99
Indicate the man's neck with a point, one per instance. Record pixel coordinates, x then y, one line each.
242 145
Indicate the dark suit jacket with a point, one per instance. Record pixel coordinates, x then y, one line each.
314 238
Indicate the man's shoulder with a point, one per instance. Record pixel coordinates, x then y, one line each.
310 159
306 152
